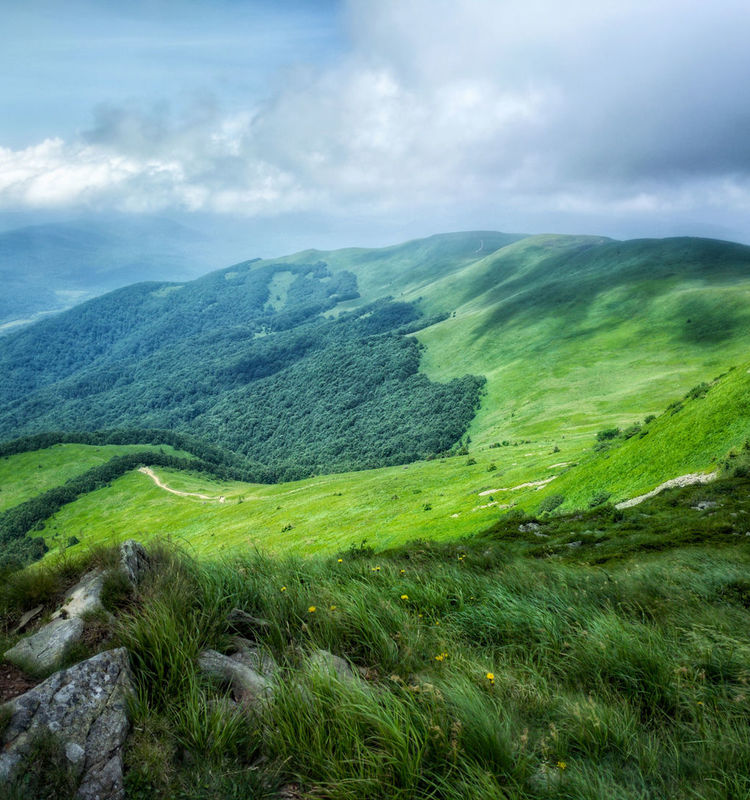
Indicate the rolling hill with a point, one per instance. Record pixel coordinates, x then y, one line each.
466 373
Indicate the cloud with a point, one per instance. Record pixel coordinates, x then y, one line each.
443 110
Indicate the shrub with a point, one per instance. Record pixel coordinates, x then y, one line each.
607 434
551 502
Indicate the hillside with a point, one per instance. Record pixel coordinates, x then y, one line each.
311 364
48 267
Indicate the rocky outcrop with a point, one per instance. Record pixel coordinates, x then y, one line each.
45 649
248 686
84 707
134 561
84 598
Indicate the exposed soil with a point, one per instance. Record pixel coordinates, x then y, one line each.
13 682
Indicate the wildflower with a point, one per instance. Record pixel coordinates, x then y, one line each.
340 561
402 572
283 588
420 615
491 678
441 656
437 621
312 610
404 596
333 608
700 702
561 765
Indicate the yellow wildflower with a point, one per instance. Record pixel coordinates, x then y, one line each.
333 608
340 560
402 572
312 609
283 588
491 677
441 656
404 596
561 765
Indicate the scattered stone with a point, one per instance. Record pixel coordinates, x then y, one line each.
85 707
573 545
541 535
529 527
246 623
247 685
134 561
325 660
27 618
45 649
703 505
84 598
254 657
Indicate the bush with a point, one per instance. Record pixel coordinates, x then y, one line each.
551 502
607 434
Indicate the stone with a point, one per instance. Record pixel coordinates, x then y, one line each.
44 650
84 598
529 527
27 618
254 657
134 561
246 623
84 707
247 685
327 661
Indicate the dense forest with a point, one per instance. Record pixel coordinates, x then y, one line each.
254 359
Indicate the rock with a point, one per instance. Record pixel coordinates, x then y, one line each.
703 505
134 561
529 527
246 623
573 545
327 661
84 598
27 618
45 649
247 685
254 657
84 707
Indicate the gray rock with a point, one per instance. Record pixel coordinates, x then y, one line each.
27 618
703 505
254 657
134 561
246 623
85 708
529 527
44 650
84 598
327 661
247 685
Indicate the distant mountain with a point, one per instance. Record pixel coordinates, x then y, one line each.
50 267
350 359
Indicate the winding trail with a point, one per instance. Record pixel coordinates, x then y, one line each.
155 478
683 480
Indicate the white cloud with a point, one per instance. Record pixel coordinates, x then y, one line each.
627 108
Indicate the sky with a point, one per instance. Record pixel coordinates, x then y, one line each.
331 123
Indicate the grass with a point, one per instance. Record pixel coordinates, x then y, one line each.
439 499
26 475
625 679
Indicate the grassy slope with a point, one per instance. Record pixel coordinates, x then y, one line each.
576 333
387 506
26 475
507 666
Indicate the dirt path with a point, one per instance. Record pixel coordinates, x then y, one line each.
155 478
682 480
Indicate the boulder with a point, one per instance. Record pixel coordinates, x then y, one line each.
254 657
134 561
327 661
247 685
84 598
44 650
84 707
